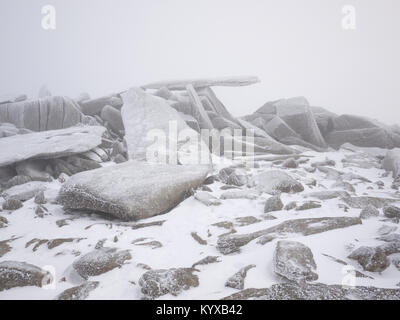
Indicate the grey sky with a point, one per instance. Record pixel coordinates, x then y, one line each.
296 47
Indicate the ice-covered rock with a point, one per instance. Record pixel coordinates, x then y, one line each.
369 212
100 261
371 259
34 169
239 194
207 198
132 190
273 204
94 106
237 280
391 212
49 144
12 204
328 194
156 283
25 191
157 133
392 162
364 201
276 181
20 274
113 117
294 261
49 113
79 292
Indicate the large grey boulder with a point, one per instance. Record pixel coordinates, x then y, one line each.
20 274
275 181
49 113
149 122
391 162
132 190
49 144
156 283
294 261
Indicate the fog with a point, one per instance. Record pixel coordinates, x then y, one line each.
296 47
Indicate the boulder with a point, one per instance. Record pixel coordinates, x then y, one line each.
79 292
34 169
239 194
369 212
328 194
49 113
131 190
294 261
362 202
391 212
351 122
49 144
12 204
273 204
100 261
371 259
275 181
25 191
20 274
237 280
95 106
147 118
391 162
308 205
156 283
207 198
113 117
279 129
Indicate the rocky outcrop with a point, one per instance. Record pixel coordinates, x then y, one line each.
49 144
294 261
156 283
131 190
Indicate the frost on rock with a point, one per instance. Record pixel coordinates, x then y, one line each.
371 259
294 261
21 274
100 261
80 292
156 283
132 190
237 280
275 181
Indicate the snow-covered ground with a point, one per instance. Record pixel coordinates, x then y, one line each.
180 249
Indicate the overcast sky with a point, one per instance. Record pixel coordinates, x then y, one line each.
296 47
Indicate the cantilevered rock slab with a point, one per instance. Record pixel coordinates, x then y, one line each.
132 190
201 83
49 144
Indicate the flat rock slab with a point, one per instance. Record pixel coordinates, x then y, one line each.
317 291
49 144
132 190
275 181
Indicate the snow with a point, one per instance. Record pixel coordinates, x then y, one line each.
180 250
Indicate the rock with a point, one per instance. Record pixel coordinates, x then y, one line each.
100 261
369 212
25 191
12 204
275 181
273 204
7 173
245 221
207 198
326 162
237 280
385 230
290 206
120 159
80 292
16 181
290 163
329 194
278 129
34 169
294 261
20 274
237 180
95 106
206 260
151 244
343 185
40 198
131 190
391 162
362 202
49 144
50 113
232 243
391 212
113 117
367 137
317 291
156 283
308 205
239 194
203 83
190 121
164 93
224 174
371 259
3 222
147 117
